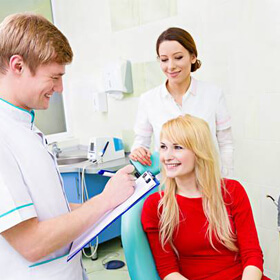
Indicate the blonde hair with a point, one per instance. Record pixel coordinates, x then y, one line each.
194 134
35 39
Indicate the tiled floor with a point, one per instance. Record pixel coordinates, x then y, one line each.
97 271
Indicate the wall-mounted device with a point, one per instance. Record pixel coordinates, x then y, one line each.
118 78
103 149
100 102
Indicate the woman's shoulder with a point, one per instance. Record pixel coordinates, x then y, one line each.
232 184
149 216
154 92
233 190
152 200
207 87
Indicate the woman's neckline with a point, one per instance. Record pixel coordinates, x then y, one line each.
180 195
175 92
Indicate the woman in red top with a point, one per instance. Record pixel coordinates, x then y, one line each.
201 226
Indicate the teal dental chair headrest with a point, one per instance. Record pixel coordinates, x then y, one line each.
154 168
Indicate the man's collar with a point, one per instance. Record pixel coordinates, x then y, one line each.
17 113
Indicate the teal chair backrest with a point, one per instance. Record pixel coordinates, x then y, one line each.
138 255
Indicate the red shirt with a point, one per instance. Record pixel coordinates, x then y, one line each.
197 258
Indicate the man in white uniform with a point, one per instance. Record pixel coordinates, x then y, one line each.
37 225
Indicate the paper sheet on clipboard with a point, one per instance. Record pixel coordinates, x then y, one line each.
144 184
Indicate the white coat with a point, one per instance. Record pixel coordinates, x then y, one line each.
30 186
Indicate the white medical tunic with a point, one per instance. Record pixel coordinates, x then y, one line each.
30 186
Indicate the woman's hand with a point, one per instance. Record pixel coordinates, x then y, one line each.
141 154
175 276
251 273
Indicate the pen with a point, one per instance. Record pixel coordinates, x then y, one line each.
104 149
106 173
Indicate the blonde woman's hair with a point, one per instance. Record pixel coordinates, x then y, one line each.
35 39
194 134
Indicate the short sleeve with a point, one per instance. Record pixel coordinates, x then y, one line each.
165 259
16 204
225 142
223 119
142 128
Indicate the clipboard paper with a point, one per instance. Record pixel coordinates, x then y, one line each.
144 184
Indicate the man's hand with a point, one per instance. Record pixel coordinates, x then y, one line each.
120 187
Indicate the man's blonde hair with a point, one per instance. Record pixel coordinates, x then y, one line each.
35 39
194 134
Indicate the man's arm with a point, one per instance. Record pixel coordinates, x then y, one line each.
74 206
34 239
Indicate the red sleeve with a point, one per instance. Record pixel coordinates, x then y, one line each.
247 237
166 260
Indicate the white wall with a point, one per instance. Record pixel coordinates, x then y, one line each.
238 43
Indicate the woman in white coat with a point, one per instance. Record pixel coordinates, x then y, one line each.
181 94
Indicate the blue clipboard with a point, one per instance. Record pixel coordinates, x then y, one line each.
144 184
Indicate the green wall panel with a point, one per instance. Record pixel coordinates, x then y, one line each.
42 7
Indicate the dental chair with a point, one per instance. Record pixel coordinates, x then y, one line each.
139 258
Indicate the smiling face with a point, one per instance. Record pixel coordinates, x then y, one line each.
175 61
178 161
37 89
